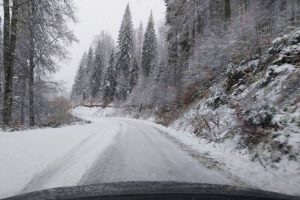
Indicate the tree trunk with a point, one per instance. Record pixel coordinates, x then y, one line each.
31 81
9 41
6 33
31 67
227 10
22 117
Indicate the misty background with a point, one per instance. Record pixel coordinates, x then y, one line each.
94 16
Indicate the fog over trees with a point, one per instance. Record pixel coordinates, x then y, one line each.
167 63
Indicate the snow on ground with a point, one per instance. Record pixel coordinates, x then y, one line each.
285 178
47 158
93 112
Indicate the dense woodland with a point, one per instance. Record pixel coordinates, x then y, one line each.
131 72
170 65
35 38
157 65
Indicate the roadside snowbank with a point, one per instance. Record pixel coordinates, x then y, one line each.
93 112
47 158
238 162
231 157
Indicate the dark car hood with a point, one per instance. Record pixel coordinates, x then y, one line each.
148 189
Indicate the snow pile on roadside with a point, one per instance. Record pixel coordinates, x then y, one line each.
47 158
284 179
93 112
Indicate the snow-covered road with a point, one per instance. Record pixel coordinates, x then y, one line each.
108 150
47 158
141 152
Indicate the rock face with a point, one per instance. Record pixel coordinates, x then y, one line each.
259 101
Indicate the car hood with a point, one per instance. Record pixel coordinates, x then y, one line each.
100 191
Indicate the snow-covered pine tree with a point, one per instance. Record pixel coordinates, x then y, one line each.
81 91
97 71
149 52
88 73
78 95
159 84
134 74
125 55
109 82
139 38
107 44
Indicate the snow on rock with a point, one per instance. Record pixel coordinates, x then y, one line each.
47 158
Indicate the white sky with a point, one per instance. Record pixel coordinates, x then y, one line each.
97 15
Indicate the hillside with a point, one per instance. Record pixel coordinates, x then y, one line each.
257 101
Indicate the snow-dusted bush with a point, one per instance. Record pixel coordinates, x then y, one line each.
260 117
58 114
236 73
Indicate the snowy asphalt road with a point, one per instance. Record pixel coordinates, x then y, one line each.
141 152
112 150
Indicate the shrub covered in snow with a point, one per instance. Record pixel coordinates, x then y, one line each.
262 116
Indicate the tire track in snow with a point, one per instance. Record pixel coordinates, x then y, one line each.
102 163
141 153
61 165
205 160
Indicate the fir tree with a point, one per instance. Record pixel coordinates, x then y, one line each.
88 73
139 38
149 53
125 55
78 94
134 74
110 83
97 72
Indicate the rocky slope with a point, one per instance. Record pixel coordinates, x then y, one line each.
258 101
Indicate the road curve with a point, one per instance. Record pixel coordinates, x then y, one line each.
142 153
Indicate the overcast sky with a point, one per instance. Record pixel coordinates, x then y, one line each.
97 15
